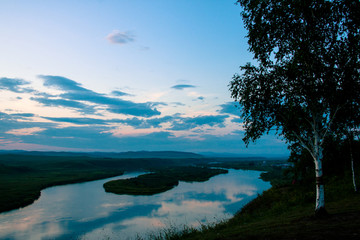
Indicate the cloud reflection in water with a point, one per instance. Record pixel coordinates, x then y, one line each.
87 211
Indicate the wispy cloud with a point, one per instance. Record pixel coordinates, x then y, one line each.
201 98
15 85
182 86
23 115
230 108
16 121
81 107
61 83
25 131
188 123
146 123
79 121
117 37
75 92
120 93
175 122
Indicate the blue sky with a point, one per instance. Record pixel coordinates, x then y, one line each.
103 75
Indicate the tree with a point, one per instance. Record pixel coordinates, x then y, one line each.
307 70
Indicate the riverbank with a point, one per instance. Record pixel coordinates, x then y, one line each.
287 212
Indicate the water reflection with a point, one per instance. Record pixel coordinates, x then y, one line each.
86 211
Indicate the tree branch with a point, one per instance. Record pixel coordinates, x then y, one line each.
330 122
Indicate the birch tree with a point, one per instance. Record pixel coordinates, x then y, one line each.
307 70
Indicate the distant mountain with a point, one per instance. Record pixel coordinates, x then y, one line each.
229 155
243 156
131 154
152 154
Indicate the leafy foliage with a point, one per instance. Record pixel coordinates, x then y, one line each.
308 55
308 72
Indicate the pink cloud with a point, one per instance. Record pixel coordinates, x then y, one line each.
25 131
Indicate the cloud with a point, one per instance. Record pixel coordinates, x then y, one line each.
83 137
178 104
61 83
232 108
15 85
182 86
75 92
156 122
47 136
177 122
23 115
15 121
81 107
120 94
237 120
146 123
25 131
181 124
79 121
117 37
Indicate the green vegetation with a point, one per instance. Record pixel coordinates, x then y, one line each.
147 184
160 181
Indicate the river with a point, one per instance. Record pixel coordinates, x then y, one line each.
85 211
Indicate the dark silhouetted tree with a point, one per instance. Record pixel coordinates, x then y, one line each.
307 71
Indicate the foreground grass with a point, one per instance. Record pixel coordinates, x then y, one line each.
286 212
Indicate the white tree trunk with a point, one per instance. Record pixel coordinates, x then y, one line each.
353 173
352 163
320 191
316 151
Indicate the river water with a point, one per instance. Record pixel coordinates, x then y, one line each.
86 211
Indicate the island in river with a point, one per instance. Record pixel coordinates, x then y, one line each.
161 181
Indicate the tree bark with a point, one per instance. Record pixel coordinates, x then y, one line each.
320 191
353 173
352 162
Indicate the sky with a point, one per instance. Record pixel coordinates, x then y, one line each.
139 75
